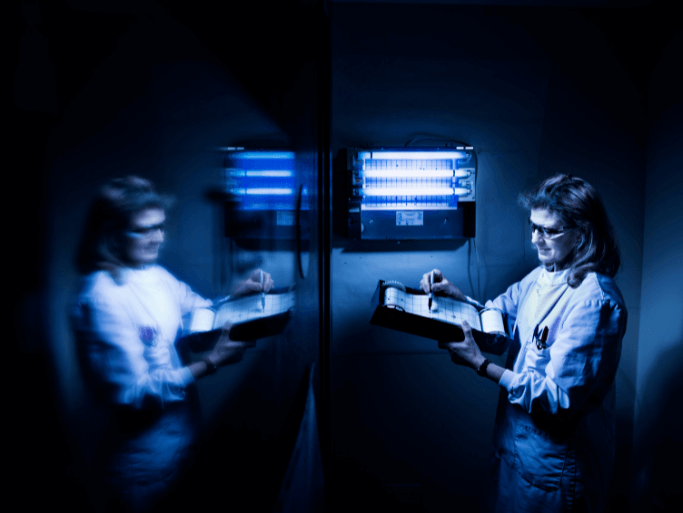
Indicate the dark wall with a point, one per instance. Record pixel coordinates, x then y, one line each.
536 91
658 416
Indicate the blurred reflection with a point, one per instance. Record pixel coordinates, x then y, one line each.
267 210
261 186
155 100
127 320
254 413
255 310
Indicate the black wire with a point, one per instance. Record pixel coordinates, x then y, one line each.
469 270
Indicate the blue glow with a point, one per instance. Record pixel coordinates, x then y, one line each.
290 155
414 191
411 155
412 178
265 191
274 174
404 204
409 173
239 173
262 180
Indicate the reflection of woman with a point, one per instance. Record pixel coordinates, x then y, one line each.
554 434
127 319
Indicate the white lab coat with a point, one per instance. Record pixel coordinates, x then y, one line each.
126 331
554 439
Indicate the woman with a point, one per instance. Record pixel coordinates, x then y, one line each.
127 319
554 436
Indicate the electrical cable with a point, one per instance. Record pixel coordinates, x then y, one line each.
469 269
476 252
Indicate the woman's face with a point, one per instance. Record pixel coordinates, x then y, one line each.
554 249
144 236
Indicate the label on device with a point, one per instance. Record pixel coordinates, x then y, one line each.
411 218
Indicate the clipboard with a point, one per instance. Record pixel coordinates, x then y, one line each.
401 309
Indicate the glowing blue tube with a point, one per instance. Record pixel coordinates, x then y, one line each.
410 173
264 191
411 155
414 191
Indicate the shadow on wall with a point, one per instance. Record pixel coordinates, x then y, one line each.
657 465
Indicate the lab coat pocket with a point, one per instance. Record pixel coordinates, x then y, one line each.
540 459
541 356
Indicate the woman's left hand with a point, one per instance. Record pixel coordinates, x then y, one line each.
466 352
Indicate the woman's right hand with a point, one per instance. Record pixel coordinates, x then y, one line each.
441 285
258 281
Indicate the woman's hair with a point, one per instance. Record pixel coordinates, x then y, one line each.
110 215
579 206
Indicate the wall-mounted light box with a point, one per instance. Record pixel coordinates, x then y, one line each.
411 193
262 190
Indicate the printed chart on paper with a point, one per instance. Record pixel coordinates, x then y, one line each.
447 310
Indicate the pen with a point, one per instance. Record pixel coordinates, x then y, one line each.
540 340
263 294
431 280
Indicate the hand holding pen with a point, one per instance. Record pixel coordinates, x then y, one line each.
259 281
435 282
